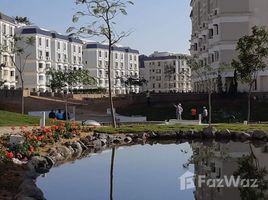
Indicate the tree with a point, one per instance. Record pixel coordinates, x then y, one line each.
169 72
133 81
18 45
252 52
219 84
22 20
205 75
64 81
104 12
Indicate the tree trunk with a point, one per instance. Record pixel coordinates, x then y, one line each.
249 103
110 86
112 174
209 108
22 95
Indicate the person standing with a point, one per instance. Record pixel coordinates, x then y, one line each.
52 115
193 113
179 111
205 115
59 115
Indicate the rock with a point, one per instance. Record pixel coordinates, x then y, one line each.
65 152
84 147
258 135
55 155
98 143
128 140
197 134
28 189
16 139
18 162
167 135
223 134
24 198
103 142
77 147
243 136
152 135
209 132
39 164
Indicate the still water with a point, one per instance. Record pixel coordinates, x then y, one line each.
157 172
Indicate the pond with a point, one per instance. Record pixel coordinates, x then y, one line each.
163 171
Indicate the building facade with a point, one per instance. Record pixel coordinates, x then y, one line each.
166 72
124 64
217 26
50 50
7 67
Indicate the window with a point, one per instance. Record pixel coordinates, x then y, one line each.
11 31
58 45
47 66
47 43
130 57
135 58
47 54
159 64
122 56
59 56
74 48
40 54
79 49
100 54
158 71
40 41
64 46
4 29
41 78
40 65
12 73
158 78
100 63
153 85
159 85
106 54
5 72
74 59
116 56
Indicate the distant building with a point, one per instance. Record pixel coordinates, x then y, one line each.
124 64
217 25
166 72
7 68
50 50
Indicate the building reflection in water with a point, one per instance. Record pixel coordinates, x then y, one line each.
216 160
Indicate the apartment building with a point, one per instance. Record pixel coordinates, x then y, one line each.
124 64
166 72
50 50
7 67
217 25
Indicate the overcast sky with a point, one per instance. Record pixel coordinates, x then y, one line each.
156 25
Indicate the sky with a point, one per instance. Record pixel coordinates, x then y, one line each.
155 25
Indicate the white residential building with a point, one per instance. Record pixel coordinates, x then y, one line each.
50 50
7 68
124 63
217 25
166 72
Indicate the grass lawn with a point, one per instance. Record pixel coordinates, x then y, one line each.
166 128
15 119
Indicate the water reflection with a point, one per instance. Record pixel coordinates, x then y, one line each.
217 161
152 172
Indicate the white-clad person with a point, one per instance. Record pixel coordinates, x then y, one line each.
179 111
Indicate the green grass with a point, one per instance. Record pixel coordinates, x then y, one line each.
15 119
168 128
